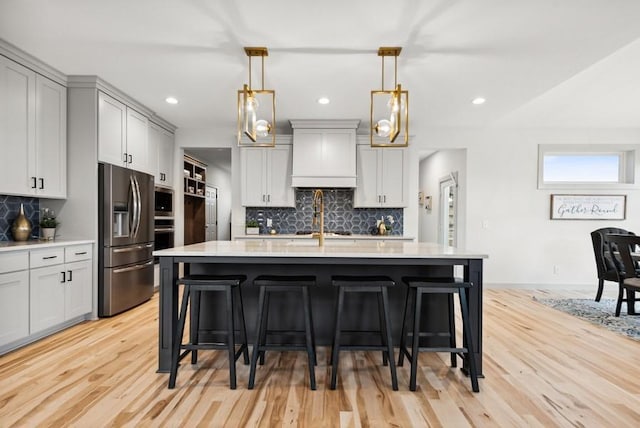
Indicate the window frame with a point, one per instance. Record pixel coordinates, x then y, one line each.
626 172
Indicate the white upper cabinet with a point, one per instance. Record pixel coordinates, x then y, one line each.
138 141
381 178
33 126
161 154
266 176
123 135
51 138
112 130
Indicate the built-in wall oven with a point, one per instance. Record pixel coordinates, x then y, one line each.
164 229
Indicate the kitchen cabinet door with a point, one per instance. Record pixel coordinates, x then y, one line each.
51 138
278 177
17 128
392 177
78 289
14 306
112 130
381 178
138 142
253 185
161 155
46 297
266 176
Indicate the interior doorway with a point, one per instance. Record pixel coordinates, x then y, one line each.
448 218
211 216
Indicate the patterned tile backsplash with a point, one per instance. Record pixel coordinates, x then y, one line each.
339 214
9 209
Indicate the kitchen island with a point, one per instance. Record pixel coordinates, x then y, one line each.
252 258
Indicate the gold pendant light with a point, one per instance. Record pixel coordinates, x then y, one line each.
390 109
256 109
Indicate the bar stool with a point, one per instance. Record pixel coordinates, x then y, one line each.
193 286
364 284
417 286
281 283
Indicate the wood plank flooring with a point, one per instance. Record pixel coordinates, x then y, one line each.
543 368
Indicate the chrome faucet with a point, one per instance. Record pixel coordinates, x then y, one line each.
318 210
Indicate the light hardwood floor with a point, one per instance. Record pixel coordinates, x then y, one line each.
543 368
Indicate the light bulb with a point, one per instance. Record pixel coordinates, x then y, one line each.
383 128
262 128
252 104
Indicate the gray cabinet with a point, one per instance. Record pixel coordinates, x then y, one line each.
123 138
381 178
14 296
33 140
266 176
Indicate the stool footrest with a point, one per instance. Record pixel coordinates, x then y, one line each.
440 349
276 347
363 348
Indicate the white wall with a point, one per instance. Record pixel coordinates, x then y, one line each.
523 244
432 170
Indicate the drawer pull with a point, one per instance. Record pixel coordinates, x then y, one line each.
136 248
49 257
132 268
81 253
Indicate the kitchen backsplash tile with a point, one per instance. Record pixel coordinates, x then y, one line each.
339 214
9 209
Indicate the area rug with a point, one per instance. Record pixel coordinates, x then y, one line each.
599 313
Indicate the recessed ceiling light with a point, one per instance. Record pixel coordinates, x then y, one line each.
478 101
171 100
324 100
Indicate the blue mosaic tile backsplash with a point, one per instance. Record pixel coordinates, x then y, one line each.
9 209
339 215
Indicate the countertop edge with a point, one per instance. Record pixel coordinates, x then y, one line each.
6 246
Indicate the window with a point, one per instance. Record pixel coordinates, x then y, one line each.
585 166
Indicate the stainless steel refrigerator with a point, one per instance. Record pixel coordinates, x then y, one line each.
125 264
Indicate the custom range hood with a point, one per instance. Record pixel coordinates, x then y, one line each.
324 153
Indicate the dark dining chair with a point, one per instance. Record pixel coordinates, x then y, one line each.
604 260
625 247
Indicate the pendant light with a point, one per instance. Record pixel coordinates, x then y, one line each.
390 109
256 109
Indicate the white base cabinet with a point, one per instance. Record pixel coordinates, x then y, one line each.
54 293
381 180
14 306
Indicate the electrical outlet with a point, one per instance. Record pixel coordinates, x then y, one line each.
269 222
556 269
485 224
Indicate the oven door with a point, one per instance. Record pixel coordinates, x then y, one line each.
163 202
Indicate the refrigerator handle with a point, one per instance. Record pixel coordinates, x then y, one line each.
134 207
139 203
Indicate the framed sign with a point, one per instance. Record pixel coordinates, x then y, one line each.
588 207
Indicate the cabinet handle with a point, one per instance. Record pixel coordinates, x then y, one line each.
125 157
64 278
33 185
70 276
81 253
41 183
384 198
130 159
49 257
268 198
263 198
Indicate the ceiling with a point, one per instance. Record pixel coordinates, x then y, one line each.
542 63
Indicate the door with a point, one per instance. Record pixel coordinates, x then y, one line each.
14 306
46 299
138 141
253 165
78 291
211 214
447 227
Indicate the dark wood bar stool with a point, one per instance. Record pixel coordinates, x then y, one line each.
364 284
419 286
194 285
280 283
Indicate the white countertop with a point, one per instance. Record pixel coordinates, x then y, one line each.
327 237
36 244
310 248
